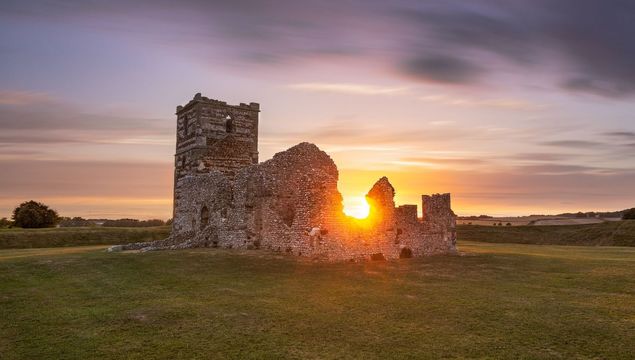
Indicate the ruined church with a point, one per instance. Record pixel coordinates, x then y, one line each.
223 197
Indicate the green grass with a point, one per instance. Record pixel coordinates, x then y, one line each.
17 238
496 301
620 233
613 233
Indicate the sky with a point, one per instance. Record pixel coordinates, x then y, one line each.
515 107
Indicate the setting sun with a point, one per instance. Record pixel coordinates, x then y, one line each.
356 207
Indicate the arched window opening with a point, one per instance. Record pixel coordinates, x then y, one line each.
229 124
204 217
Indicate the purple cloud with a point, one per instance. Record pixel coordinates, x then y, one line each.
587 42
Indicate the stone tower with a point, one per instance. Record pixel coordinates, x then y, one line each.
212 135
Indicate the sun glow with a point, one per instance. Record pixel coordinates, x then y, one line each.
356 207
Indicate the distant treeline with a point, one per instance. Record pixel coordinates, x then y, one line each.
578 215
593 214
81 222
473 217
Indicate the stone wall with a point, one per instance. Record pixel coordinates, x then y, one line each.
290 203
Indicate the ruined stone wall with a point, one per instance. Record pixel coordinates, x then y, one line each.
290 203
439 220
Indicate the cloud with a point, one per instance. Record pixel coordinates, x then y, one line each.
626 135
448 161
9 97
500 103
459 163
443 69
540 35
577 144
85 178
89 188
36 118
564 169
578 45
356 89
353 135
545 157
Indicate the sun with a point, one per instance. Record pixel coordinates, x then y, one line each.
356 207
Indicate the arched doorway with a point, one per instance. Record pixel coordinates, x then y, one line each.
405 253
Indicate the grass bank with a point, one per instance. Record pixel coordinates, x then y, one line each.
496 301
613 233
53 237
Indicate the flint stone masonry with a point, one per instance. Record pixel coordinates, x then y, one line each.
290 204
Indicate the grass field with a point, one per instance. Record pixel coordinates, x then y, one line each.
17 238
534 220
495 301
617 233
612 233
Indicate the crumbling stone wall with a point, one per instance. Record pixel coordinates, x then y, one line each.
288 204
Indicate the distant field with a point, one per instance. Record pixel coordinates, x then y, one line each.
613 233
571 221
52 237
503 301
534 220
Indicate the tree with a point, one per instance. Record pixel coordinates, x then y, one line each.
629 214
5 223
32 214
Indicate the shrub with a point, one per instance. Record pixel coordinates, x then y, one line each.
629 214
5 223
32 214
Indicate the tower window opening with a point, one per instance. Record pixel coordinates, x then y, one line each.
229 124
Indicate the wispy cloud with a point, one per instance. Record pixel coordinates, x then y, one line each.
576 144
447 43
10 97
356 89
27 118
543 157
503 103
626 135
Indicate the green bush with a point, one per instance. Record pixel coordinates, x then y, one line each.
629 214
5 223
32 214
